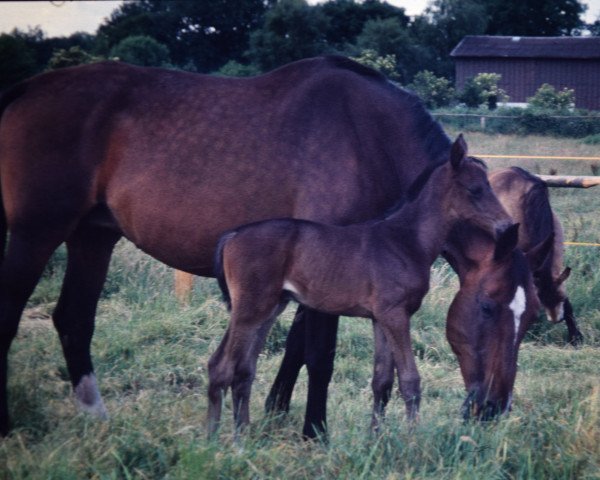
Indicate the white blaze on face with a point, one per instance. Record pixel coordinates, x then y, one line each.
517 306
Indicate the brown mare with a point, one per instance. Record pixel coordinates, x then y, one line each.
378 269
170 160
525 198
486 321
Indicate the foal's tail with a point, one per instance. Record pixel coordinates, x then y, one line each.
219 272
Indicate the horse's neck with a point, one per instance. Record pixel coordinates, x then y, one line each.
424 217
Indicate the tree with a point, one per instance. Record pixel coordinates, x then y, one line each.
205 34
533 17
141 50
389 37
346 19
443 26
17 60
292 30
434 91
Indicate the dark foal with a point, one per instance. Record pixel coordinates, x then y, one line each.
525 198
378 269
170 160
486 321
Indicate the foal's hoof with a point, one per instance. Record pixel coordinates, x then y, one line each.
88 399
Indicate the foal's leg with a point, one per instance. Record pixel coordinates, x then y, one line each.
89 250
383 376
234 362
396 327
244 375
27 254
575 336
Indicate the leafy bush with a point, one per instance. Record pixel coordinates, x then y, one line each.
236 69
592 139
141 50
434 91
386 64
483 89
548 98
62 58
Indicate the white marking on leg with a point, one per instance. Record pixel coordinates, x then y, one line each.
561 312
88 399
287 285
518 304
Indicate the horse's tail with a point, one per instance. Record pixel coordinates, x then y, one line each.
218 268
6 98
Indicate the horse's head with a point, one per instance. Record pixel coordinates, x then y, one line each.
489 316
469 197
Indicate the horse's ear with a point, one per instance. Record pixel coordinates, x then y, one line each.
563 276
538 255
458 151
506 242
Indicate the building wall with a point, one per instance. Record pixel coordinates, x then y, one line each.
521 77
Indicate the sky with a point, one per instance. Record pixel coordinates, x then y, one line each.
64 17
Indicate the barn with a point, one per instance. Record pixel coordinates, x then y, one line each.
525 63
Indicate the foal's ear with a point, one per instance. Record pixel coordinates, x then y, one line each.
458 151
506 242
563 276
539 254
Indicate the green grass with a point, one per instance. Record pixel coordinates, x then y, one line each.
151 356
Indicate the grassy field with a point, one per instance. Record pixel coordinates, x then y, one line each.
151 356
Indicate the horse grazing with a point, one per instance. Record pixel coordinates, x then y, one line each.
492 310
171 160
525 198
378 269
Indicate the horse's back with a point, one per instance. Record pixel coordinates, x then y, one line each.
173 159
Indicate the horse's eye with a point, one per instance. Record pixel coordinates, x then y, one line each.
487 309
476 192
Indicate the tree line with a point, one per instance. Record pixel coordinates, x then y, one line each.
247 37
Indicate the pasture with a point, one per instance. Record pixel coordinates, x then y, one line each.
151 356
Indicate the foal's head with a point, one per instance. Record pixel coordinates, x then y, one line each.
468 196
490 314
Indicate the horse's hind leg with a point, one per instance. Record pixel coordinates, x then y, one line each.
311 341
280 394
89 250
320 342
383 376
27 254
575 336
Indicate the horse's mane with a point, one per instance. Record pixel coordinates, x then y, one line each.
538 212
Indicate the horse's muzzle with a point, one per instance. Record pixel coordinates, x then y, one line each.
484 410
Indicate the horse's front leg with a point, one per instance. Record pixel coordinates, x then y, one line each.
383 376
575 336
396 328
